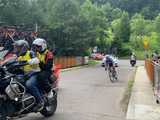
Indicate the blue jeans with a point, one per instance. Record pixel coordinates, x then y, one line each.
32 87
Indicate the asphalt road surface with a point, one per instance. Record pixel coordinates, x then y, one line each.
88 94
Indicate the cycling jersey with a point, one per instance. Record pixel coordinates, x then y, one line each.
109 61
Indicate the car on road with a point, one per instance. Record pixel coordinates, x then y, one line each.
97 56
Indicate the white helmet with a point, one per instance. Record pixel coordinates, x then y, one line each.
40 42
107 56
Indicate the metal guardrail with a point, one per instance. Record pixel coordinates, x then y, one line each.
156 81
153 71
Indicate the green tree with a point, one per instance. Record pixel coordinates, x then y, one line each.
121 30
20 12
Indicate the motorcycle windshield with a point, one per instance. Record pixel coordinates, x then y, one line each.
3 54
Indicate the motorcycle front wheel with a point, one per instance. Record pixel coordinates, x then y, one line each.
50 108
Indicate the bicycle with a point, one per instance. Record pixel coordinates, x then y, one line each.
113 76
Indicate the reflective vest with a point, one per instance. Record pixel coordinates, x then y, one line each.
28 68
42 57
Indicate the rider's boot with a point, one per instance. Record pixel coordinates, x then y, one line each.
39 106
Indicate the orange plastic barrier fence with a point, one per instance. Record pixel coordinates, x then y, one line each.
150 69
67 62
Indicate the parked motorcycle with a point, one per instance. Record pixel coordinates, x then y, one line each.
15 100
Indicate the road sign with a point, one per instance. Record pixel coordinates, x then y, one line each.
145 43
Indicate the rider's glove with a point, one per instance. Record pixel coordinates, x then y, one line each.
33 61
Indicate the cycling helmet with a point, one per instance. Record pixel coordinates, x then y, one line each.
107 56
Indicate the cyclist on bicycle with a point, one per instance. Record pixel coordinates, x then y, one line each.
110 62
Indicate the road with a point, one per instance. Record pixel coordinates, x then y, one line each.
87 94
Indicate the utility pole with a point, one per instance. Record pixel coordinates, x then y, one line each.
36 28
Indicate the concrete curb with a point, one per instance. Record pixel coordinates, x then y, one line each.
130 109
142 104
78 67
74 68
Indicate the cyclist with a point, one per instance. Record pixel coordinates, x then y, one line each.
109 62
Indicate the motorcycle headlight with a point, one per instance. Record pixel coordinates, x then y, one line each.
14 90
10 92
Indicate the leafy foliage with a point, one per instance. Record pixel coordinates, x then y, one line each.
73 27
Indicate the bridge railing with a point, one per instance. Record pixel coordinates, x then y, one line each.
150 69
153 71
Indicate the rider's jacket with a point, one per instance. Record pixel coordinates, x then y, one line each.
133 57
46 60
33 62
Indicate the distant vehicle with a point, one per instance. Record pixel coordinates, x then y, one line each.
97 56
104 60
133 60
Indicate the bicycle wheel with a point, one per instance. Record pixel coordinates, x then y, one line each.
115 76
110 73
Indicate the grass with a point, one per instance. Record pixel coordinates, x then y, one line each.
139 55
128 57
93 62
127 94
124 57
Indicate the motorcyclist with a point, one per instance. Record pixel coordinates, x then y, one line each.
46 64
31 69
133 57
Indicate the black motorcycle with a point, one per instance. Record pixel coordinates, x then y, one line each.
15 100
133 60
